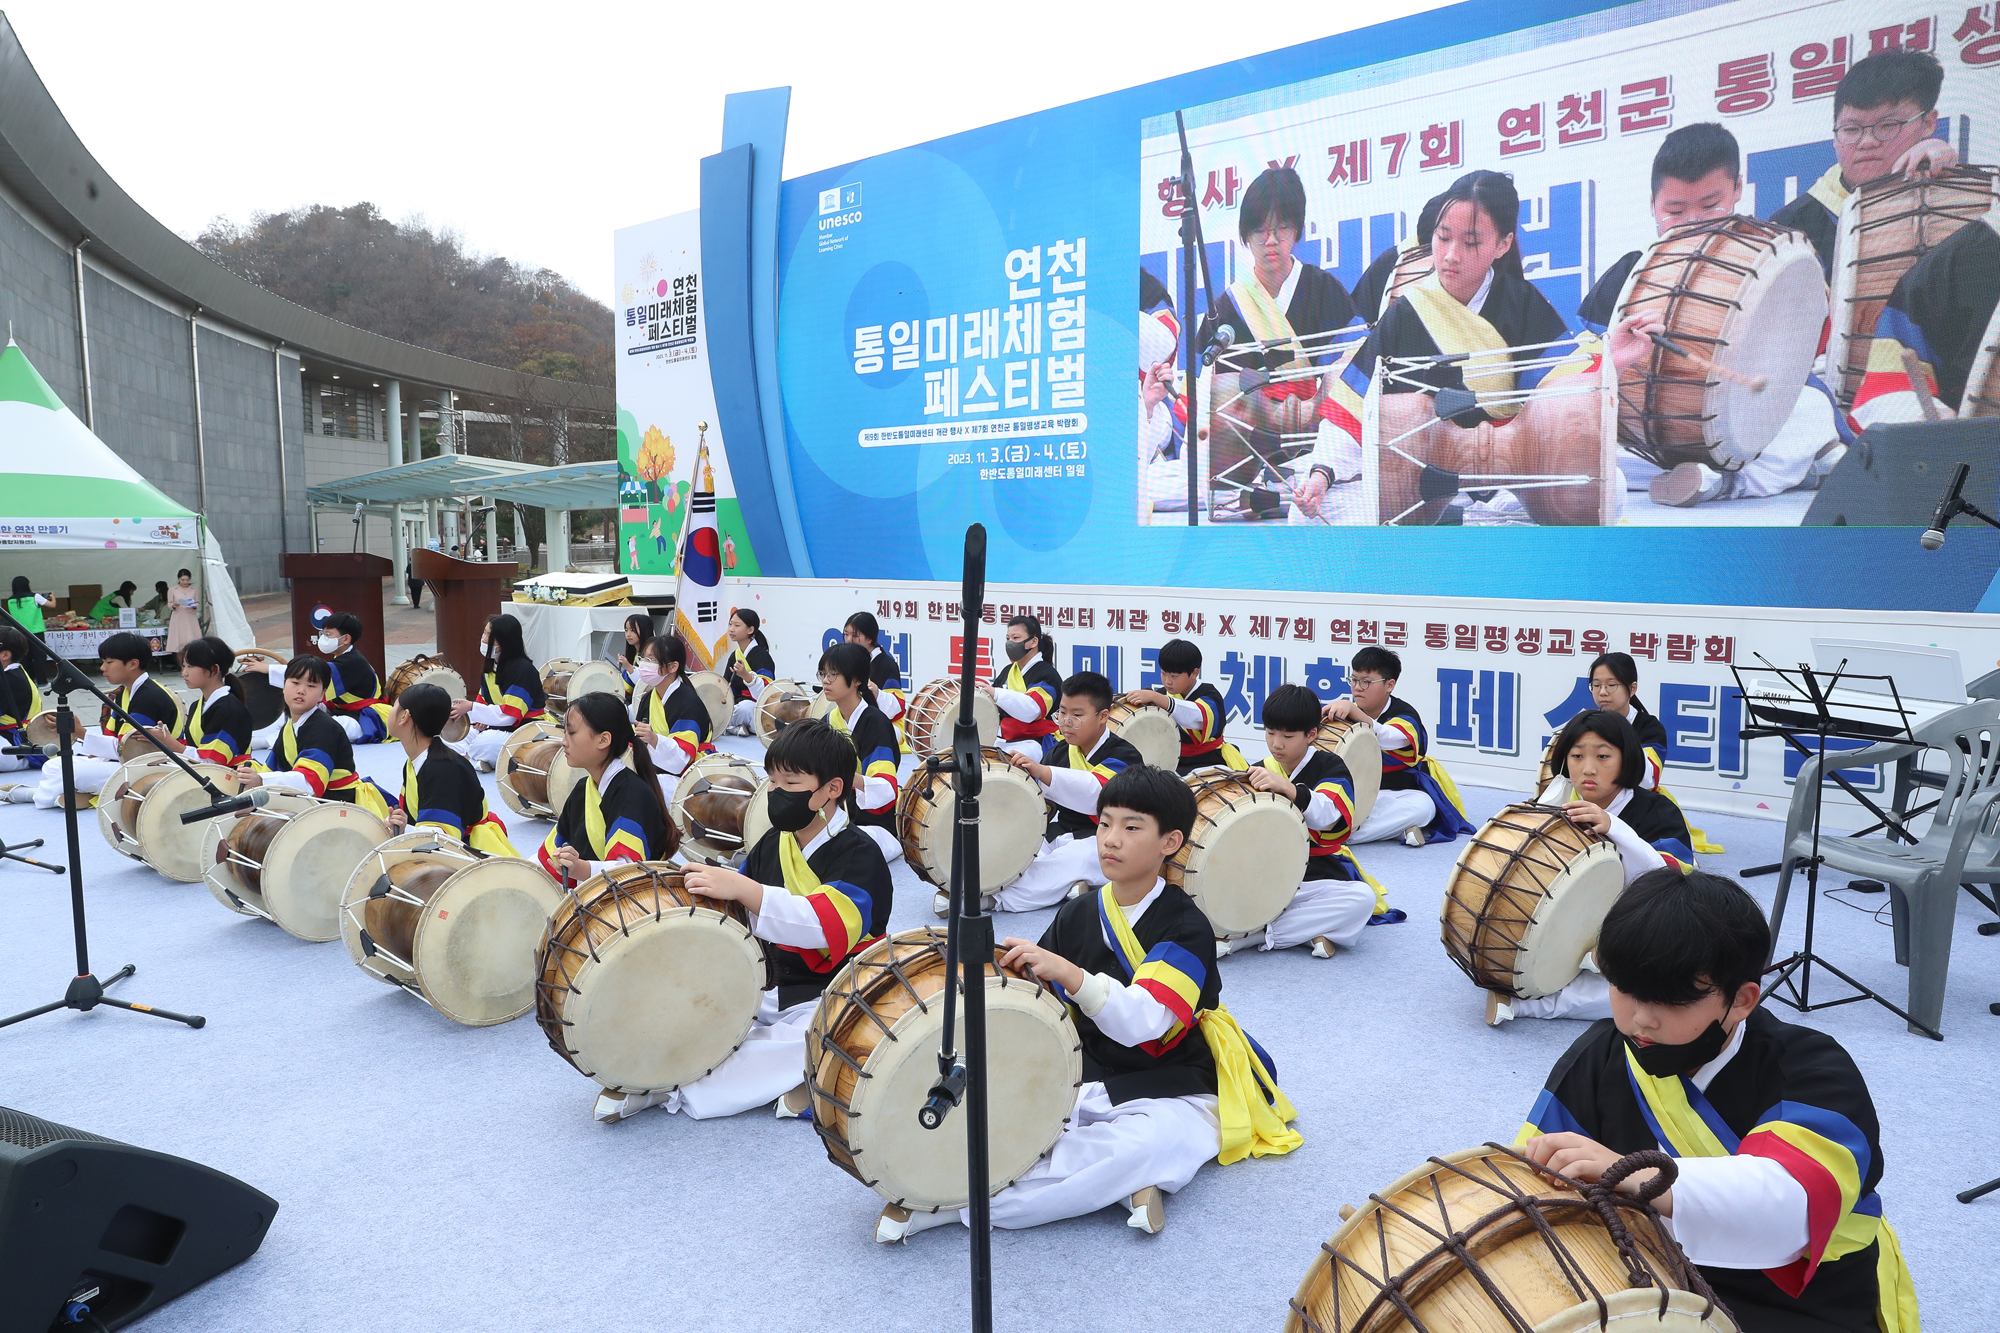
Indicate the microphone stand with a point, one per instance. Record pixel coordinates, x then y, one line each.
1194 343
969 949
85 991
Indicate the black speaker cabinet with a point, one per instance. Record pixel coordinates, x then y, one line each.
79 1211
1893 476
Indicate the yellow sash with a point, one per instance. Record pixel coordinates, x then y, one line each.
656 714
1251 1125
493 689
838 722
288 743
1268 322
1690 1136
800 881
1015 680
1455 329
1381 894
1830 190
191 728
593 818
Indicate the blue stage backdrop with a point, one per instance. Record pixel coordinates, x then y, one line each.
961 335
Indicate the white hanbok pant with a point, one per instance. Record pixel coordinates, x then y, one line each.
770 1063
1394 812
1336 908
1588 997
91 775
743 713
1046 881
483 747
1109 1153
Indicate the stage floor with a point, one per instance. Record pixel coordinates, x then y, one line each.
450 1178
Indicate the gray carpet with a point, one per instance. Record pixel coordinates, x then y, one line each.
433 1176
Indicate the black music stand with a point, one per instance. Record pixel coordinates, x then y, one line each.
85 990
1808 712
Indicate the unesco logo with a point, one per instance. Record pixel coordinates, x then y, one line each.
839 207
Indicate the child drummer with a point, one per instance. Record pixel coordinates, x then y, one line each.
1170 1080
818 890
1077 761
441 789
1337 897
1772 1125
1418 802
1197 708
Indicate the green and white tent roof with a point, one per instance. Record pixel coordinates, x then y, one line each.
61 486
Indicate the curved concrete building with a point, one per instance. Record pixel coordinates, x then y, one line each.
230 399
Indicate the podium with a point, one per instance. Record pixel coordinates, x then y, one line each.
463 594
340 581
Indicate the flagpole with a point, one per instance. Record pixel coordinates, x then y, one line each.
691 635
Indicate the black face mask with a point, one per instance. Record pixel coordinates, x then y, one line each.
1016 650
1663 1061
789 811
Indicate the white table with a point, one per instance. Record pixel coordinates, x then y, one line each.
549 631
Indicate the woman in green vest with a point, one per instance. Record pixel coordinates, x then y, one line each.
26 606
112 602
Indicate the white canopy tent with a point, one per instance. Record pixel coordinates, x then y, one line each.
73 511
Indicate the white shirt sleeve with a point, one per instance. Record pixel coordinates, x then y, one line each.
491 715
287 781
277 676
40 600
1128 1015
788 919
1321 812
756 685
1739 1212
1016 705
1073 790
1391 738
1187 714
890 706
669 757
98 745
1639 855
876 792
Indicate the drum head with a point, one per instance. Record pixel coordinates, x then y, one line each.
1565 925
665 1001
1029 1034
310 864
124 838
562 778
594 678
41 728
1780 322
933 711
716 696
478 939
1151 731
417 845
169 846
221 877
1355 746
821 706
1395 1236
1012 819
443 677
1246 858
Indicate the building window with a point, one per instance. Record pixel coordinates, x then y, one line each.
345 414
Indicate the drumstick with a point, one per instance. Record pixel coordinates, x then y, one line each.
1920 385
1754 383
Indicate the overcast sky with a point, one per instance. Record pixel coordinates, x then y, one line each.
536 130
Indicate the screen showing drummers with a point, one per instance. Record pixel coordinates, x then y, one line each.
1594 283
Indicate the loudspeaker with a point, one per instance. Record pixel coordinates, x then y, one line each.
80 1211
1894 476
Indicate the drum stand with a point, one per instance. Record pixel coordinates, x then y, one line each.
968 941
85 990
1791 984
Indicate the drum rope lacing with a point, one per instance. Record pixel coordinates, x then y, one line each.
1602 1198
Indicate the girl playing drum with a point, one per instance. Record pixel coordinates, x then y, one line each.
857 714
748 667
616 813
1601 764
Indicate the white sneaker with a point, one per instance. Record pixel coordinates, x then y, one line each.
941 903
1322 947
24 794
1080 887
796 1104
1222 947
1149 1210
900 1223
615 1106
1689 484
1498 1010
1413 836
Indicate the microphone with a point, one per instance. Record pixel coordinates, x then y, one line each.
1948 507
1219 342
254 798
49 751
